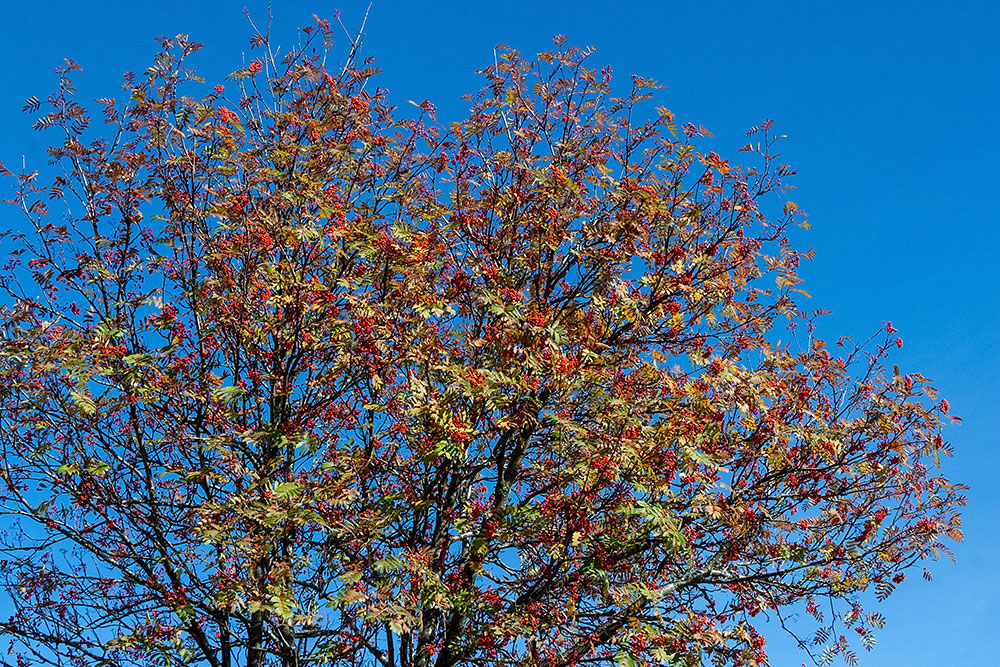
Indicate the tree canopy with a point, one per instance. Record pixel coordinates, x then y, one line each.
290 376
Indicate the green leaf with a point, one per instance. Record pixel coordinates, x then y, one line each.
106 330
702 458
137 359
97 467
196 475
84 402
388 564
226 394
625 659
287 489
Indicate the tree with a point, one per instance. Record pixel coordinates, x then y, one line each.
290 376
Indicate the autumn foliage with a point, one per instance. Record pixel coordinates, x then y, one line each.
291 376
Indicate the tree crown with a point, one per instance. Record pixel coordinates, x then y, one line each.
293 377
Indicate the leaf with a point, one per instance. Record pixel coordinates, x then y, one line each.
625 659
96 467
226 394
287 489
137 359
197 475
84 402
388 564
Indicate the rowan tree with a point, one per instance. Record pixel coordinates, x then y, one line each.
291 376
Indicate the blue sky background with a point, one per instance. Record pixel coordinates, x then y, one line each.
891 111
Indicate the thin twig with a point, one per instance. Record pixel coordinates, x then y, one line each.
355 41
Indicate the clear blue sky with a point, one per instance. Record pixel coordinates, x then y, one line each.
891 110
